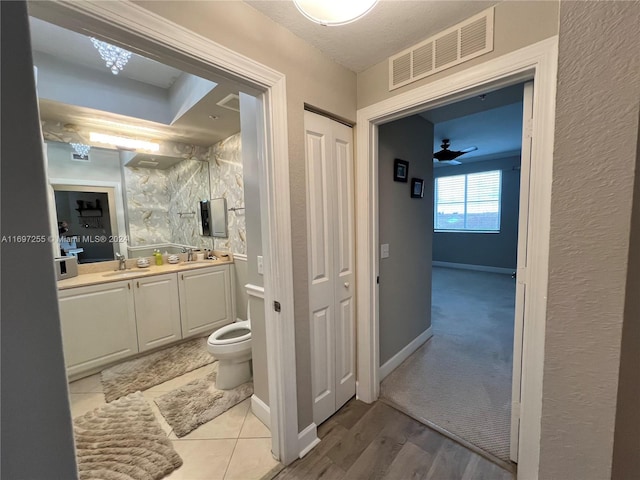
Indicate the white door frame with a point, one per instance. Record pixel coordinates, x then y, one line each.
129 24
537 62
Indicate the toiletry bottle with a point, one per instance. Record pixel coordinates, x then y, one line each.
158 256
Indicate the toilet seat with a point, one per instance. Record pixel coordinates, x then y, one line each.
217 337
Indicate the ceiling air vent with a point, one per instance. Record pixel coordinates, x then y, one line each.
231 101
462 42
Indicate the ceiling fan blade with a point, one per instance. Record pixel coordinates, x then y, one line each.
445 155
446 162
469 149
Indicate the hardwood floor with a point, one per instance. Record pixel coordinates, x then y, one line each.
378 442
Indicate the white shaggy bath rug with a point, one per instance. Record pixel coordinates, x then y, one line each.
155 368
198 402
123 441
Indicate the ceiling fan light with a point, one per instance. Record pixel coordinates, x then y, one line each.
334 12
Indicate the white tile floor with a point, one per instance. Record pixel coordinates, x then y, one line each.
232 446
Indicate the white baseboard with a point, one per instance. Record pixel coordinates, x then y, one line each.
307 439
261 410
395 361
478 268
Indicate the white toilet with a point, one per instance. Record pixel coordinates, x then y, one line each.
231 346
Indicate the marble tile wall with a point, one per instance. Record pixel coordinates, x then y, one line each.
225 170
147 200
155 198
188 185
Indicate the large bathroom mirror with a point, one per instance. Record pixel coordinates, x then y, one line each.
132 153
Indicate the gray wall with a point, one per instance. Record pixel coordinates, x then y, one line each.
626 461
36 439
240 267
406 224
595 157
488 249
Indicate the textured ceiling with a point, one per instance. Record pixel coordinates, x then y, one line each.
390 27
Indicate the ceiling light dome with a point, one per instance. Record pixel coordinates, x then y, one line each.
334 12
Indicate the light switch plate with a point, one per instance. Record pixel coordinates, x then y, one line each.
384 250
260 267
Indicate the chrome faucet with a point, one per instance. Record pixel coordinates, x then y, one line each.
189 252
123 261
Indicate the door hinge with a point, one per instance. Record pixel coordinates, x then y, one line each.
277 307
528 128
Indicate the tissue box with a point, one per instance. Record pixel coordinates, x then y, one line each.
66 267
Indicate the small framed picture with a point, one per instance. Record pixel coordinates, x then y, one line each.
400 170
417 188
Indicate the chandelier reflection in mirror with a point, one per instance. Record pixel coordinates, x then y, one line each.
114 57
81 149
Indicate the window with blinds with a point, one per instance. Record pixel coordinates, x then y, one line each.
468 203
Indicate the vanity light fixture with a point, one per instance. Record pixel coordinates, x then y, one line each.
114 57
81 149
124 142
334 12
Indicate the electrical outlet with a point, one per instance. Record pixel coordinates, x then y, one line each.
384 250
260 266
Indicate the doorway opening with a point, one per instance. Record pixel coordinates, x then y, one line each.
86 221
460 380
128 26
538 63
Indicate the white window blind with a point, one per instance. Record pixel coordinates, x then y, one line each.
468 202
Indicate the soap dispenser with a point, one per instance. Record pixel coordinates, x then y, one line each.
158 255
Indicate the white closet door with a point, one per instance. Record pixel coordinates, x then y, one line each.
330 232
344 263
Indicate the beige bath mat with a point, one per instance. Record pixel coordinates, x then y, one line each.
123 441
198 402
155 368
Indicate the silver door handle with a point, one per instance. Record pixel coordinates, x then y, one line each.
346 284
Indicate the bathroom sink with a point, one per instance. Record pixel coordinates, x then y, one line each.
121 274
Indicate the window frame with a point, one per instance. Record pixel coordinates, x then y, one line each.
466 203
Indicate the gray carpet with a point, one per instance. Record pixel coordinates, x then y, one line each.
155 368
199 401
460 380
123 441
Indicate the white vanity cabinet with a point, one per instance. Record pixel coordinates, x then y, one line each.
157 310
206 300
111 321
98 325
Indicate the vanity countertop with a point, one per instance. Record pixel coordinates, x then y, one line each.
133 272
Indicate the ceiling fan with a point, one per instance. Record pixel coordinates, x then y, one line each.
446 155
